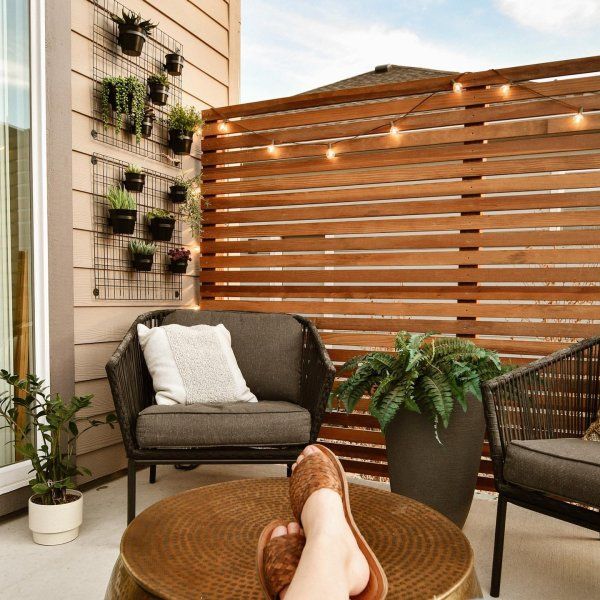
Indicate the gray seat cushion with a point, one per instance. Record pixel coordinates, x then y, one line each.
267 423
566 467
267 347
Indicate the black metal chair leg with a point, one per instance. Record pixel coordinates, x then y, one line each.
130 491
498 547
152 478
289 469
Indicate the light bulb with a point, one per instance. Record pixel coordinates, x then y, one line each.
457 86
330 152
223 127
271 147
196 249
579 116
394 129
505 88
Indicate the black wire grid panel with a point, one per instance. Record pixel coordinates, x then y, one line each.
114 276
109 61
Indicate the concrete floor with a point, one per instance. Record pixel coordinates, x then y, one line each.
544 558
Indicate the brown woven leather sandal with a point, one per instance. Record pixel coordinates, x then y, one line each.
316 471
278 558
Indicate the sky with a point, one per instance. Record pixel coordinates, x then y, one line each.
291 46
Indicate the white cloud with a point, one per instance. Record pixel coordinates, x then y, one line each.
553 16
288 52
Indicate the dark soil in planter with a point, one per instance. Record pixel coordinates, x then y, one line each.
142 262
122 220
131 39
178 193
159 93
180 141
161 228
174 64
134 182
37 499
179 266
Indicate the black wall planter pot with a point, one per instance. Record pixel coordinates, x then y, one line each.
159 93
178 193
147 125
180 141
161 228
122 220
131 39
179 266
444 475
142 262
134 182
174 64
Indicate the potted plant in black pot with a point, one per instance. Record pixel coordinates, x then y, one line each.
174 63
134 179
133 32
161 224
159 88
178 259
183 123
56 506
433 445
124 96
142 255
122 210
183 187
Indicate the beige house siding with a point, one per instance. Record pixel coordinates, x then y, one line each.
209 31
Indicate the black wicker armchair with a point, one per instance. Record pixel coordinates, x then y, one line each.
536 416
284 363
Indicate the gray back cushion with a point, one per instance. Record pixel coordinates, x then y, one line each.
267 347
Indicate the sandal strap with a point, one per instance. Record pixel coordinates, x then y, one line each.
281 558
312 473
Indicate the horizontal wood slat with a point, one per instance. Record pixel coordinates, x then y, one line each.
481 219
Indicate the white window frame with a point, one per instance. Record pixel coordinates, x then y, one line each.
17 475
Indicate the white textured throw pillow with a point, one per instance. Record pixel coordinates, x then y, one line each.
193 364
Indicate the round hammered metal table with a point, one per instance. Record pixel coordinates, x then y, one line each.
201 545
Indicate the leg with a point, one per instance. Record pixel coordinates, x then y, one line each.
152 478
498 547
289 469
130 490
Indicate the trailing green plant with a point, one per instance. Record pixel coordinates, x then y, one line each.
145 248
130 99
427 377
192 210
118 198
185 118
133 169
159 79
132 19
159 213
29 410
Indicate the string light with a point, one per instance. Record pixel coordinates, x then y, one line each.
457 86
579 116
505 88
271 147
394 129
223 127
196 249
330 152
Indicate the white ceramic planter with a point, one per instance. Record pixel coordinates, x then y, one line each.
56 523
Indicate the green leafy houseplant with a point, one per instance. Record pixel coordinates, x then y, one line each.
185 118
133 169
192 210
427 377
159 213
143 248
158 79
133 31
128 18
126 95
120 199
31 409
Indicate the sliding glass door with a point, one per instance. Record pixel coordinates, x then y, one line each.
16 238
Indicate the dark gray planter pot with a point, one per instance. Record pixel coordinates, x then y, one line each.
442 476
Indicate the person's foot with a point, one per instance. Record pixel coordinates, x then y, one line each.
291 528
325 526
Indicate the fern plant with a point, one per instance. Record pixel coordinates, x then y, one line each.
427 377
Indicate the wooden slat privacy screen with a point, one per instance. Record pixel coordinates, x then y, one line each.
480 219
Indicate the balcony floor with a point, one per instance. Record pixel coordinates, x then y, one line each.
544 558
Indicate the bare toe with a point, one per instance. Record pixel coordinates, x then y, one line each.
294 528
279 531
